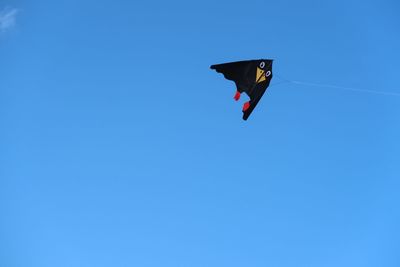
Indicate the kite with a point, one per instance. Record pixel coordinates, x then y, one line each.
250 76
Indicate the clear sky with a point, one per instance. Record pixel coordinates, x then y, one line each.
120 147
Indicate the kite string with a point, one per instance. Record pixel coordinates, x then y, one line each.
337 87
278 83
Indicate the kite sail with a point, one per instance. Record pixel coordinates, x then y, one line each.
250 76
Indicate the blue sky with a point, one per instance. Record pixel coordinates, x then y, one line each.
120 147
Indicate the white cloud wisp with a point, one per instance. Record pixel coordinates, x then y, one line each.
7 18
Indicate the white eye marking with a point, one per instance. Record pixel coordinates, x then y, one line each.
268 73
262 64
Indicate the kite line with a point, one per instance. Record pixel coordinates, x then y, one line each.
332 86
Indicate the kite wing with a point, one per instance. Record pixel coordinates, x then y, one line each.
250 76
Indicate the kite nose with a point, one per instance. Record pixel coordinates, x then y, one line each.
237 96
246 106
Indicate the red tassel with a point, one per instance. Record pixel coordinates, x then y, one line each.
246 106
237 96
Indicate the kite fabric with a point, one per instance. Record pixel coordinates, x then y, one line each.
251 76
